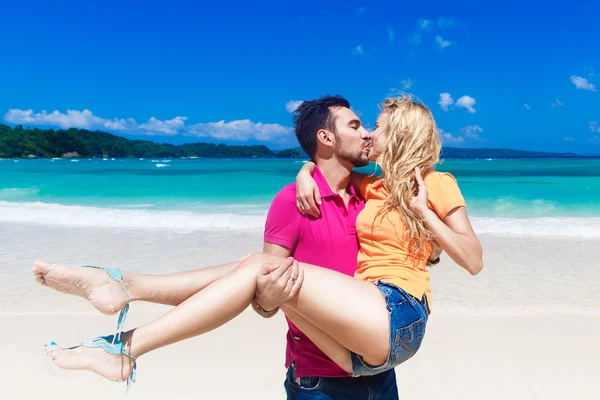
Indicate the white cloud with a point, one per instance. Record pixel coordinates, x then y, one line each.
448 138
358 50
557 103
472 131
361 10
168 127
595 140
594 127
16 116
241 130
425 24
391 34
466 102
445 101
527 106
582 83
569 139
444 22
292 105
442 43
407 84
120 124
71 119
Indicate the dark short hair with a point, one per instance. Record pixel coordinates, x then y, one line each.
312 116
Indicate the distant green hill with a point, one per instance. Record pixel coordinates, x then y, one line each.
454 152
19 142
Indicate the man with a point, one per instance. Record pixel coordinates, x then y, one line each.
335 139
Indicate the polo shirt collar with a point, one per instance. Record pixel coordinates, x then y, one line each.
323 186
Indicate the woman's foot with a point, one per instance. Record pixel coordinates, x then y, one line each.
110 366
93 284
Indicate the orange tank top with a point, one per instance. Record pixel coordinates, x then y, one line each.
383 253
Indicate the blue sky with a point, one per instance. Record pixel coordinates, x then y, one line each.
507 74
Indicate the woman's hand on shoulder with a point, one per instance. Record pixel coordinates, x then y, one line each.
307 192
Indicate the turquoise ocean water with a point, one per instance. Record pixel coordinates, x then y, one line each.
520 196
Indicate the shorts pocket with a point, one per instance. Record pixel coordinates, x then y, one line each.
407 341
394 296
312 383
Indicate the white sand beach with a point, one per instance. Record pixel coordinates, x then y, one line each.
525 328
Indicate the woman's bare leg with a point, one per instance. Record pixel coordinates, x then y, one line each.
351 311
107 295
328 345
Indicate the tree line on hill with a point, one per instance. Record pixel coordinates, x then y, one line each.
20 142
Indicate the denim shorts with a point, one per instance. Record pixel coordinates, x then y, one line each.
408 318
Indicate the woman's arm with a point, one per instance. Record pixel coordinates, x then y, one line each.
454 234
456 237
307 192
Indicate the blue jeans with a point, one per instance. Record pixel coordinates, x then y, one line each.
408 319
375 387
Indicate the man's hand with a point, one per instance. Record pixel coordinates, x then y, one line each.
276 284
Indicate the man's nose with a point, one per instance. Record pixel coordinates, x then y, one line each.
365 134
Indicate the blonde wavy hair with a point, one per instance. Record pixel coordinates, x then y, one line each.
412 141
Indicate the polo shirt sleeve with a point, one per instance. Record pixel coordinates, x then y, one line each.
444 193
283 220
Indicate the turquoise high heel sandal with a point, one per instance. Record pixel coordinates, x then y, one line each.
112 345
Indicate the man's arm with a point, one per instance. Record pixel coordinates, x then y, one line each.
276 250
282 230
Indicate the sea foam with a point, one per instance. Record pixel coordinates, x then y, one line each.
238 217
83 216
572 227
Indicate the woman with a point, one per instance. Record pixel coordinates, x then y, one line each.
365 325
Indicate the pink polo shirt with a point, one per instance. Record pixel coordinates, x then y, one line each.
328 241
